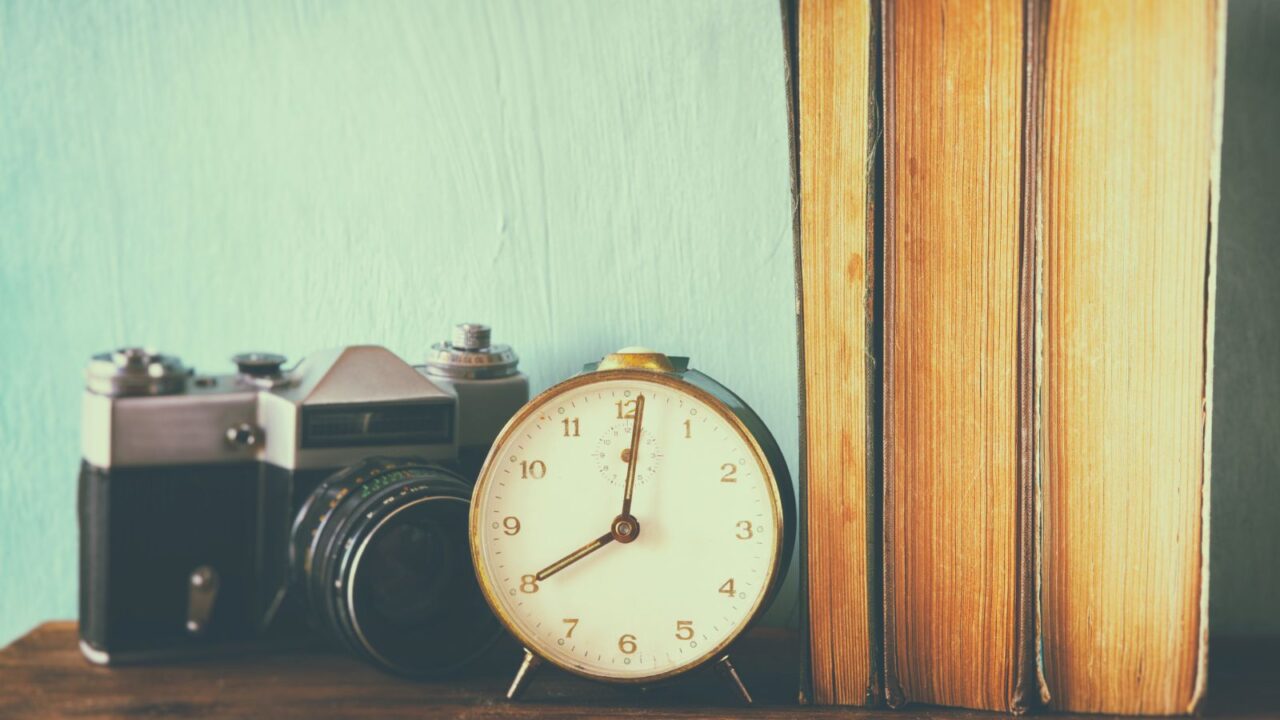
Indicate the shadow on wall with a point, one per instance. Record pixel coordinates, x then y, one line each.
1245 545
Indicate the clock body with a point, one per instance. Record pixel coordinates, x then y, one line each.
711 504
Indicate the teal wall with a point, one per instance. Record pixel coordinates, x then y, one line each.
210 177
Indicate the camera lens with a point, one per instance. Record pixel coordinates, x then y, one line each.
380 553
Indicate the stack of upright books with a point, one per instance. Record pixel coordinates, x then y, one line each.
1005 249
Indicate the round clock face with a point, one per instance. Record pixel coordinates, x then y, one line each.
623 590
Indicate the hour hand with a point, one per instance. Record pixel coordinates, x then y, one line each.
574 556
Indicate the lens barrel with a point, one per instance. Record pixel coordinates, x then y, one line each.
380 555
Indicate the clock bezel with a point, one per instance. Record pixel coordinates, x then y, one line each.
777 482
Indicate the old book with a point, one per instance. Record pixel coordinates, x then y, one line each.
1131 129
959 575
835 114
1047 193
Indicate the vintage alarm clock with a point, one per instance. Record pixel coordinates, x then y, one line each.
631 522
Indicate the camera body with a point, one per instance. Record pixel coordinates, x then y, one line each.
192 487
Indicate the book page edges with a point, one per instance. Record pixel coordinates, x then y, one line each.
791 19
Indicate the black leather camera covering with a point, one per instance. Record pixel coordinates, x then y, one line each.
144 531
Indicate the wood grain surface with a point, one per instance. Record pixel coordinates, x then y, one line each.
43 675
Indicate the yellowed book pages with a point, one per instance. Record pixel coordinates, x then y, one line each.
836 269
1131 136
953 194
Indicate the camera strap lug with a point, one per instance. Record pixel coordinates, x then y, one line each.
201 595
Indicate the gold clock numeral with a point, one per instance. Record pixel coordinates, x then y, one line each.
727 588
573 624
510 525
627 644
536 469
744 530
684 629
528 584
626 409
570 427
688 430
730 473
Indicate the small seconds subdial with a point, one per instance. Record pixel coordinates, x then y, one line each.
627 526
613 454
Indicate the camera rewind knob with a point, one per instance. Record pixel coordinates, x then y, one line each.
470 336
468 355
135 371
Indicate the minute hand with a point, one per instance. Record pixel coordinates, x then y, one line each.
633 457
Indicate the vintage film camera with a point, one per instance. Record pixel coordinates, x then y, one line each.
346 480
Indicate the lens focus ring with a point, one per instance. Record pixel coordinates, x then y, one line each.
380 552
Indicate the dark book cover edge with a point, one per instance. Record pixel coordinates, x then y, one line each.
790 41
893 694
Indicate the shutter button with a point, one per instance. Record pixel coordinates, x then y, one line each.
258 364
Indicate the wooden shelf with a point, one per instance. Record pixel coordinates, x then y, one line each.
43 674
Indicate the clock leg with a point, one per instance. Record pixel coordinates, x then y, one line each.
725 665
521 680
